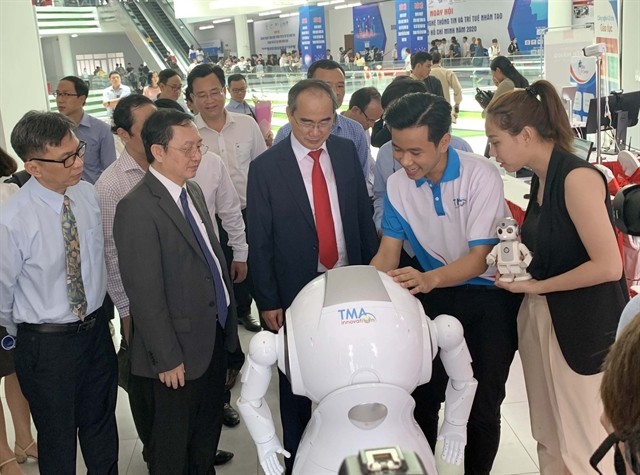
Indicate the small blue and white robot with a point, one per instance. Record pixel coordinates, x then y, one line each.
357 344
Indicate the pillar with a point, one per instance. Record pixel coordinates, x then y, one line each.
242 36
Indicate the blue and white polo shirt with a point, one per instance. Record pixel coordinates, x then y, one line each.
443 221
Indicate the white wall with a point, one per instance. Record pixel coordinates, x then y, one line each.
22 83
225 32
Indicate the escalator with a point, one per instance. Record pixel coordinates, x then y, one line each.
159 14
146 30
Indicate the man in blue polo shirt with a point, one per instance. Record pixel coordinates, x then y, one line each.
445 203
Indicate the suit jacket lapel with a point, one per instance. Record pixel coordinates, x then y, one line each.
293 178
166 203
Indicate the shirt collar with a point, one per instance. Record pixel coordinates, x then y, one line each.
84 122
52 198
300 151
228 119
451 170
127 162
173 188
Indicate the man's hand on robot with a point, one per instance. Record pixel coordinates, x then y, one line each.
414 280
455 440
268 455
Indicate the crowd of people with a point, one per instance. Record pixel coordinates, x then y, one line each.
203 213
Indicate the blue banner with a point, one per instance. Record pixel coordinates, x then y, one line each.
583 75
529 18
368 28
411 25
313 37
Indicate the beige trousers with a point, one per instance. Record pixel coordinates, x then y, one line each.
564 406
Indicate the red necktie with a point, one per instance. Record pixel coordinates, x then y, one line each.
328 253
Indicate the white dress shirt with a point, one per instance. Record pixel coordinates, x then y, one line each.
238 143
305 162
222 199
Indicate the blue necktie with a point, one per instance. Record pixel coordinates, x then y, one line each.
221 300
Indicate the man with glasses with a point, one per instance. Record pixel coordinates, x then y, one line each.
238 91
180 297
365 107
308 212
170 85
53 282
71 96
112 94
333 74
237 139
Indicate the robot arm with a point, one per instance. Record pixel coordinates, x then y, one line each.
527 257
256 375
492 257
461 388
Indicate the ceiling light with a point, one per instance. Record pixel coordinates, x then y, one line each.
273 12
322 4
75 35
333 2
348 5
222 20
249 20
206 27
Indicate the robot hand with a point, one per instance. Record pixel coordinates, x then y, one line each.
268 455
455 440
491 260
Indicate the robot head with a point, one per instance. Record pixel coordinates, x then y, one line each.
508 229
626 210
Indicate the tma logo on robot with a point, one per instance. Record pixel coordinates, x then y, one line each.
349 316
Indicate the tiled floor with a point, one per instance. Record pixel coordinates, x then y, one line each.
517 454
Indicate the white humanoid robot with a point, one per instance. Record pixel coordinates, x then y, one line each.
357 344
510 256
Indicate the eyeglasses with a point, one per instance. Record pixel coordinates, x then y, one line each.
370 121
310 125
612 441
213 94
64 94
174 88
239 90
69 160
191 152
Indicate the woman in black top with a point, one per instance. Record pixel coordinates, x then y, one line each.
568 318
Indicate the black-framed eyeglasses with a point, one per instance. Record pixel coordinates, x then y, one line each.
69 160
369 120
612 440
65 94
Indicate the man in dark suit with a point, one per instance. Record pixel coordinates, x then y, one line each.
180 294
308 211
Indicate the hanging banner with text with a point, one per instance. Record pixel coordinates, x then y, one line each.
411 25
583 75
498 19
368 28
313 36
606 26
276 35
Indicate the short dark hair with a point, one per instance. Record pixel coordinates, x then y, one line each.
323 64
168 104
112 73
123 113
436 57
158 129
166 74
421 109
362 97
419 58
203 70
306 84
36 131
79 85
401 86
236 77
8 165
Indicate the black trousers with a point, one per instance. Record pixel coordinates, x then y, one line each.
295 414
488 316
70 381
187 421
241 291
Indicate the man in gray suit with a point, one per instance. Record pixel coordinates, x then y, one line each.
181 297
